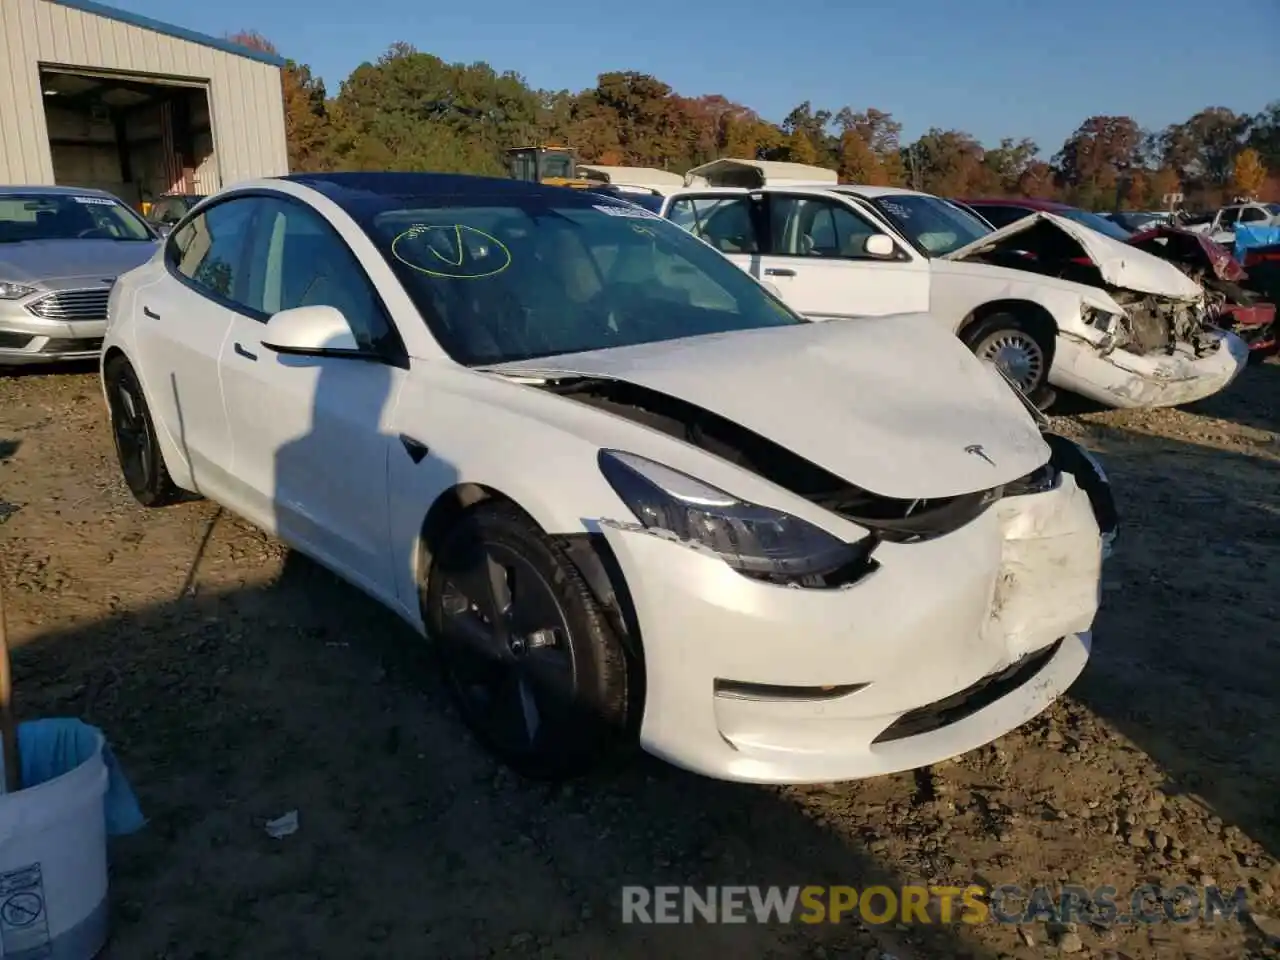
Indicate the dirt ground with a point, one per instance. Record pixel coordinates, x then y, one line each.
237 681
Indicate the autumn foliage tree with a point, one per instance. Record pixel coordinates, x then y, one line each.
1095 159
1247 173
305 107
1163 183
411 110
858 163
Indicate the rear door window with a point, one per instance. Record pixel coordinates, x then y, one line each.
724 222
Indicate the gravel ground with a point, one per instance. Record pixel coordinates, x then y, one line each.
237 681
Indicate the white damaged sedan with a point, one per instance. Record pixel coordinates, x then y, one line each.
626 492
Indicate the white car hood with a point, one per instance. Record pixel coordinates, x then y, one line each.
1121 265
894 404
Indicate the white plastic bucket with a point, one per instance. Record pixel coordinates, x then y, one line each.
53 866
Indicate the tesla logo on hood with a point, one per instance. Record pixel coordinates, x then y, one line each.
977 451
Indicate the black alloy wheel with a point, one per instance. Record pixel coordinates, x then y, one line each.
528 656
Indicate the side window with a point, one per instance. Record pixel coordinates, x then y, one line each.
209 250
1229 217
1001 216
724 222
683 214
299 260
817 227
171 211
1252 215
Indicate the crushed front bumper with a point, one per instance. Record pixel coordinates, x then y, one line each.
948 645
1127 380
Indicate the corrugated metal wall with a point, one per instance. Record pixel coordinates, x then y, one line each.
245 95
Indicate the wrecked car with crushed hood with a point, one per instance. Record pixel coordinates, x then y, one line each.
1142 333
1234 301
625 491
1130 332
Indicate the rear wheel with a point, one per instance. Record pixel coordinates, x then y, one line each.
530 660
1009 342
134 433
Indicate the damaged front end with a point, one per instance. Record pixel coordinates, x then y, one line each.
1162 326
1232 301
1152 334
766 545
974 614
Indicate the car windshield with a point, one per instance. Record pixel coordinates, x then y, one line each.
932 224
1107 228
533 276
57 216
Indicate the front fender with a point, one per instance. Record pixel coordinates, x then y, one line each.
535 448
958 289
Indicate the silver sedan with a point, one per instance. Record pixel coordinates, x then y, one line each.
61 249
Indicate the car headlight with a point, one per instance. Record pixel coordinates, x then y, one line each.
1102 320
14 291
754 540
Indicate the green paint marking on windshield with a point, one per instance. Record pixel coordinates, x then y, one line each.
470 254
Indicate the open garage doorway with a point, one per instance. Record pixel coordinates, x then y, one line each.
139 138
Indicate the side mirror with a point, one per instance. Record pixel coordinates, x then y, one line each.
319 331
879 245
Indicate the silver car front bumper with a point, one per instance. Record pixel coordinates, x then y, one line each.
27 338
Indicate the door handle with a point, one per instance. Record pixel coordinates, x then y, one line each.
150 314
245 353
779 272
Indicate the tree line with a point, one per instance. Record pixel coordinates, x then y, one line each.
413 111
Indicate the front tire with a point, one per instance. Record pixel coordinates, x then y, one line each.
531 662
1009 342
134 433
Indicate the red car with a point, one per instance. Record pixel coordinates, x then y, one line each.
1240 308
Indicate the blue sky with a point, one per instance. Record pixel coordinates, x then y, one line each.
992 67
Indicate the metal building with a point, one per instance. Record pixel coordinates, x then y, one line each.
97 97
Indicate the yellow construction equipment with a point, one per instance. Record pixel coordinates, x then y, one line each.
552 165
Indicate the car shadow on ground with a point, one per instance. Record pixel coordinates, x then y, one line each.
1186 645
1252 401
66 367
231 709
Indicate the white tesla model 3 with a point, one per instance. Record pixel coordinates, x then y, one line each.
625 490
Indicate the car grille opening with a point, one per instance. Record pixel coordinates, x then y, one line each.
73 345
72 305
966 703
906 521
740 690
